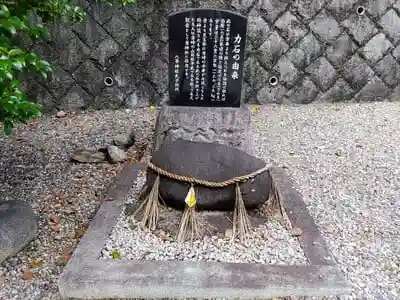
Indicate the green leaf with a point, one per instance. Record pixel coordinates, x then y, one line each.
115 254
15 52
4 10
9 75
18 65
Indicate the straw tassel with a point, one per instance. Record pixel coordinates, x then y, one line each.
241 222
190 222
151 207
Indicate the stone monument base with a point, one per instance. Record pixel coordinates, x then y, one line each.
224 125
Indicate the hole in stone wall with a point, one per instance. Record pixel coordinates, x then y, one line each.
273 80
360 10
108 81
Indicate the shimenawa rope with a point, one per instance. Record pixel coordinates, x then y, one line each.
190 221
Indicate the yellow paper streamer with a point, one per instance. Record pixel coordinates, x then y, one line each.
191 197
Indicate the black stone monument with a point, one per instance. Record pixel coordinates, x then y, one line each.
206 57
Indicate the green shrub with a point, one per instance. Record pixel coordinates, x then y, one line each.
16 21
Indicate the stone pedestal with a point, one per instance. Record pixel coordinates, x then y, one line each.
224 125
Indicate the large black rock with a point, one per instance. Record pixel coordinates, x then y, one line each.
213 162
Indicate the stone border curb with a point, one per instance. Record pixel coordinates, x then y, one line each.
87 277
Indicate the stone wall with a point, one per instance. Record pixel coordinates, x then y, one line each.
319 50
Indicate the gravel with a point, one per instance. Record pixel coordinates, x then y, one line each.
35 167
268 244
344 159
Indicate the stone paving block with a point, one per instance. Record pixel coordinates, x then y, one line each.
396 52
341 49
90 32
257 30
291 28
110 98
140 50
302 93
271 94
375 90
341 9
341 91
308 8
39 94
376 48
102 13
75 98
305 51
390 22
271 9
325 27
106 52
90 78
287 72
254 74
59 82
396 6
377 8
360 27
357 73
322 73
72 53
123 29
271 50
388 70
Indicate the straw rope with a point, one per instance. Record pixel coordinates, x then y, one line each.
206 183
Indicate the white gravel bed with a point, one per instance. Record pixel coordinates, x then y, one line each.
269 244
343 157
346 161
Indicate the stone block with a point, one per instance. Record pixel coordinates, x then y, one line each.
308 8
271 94
106 52
291 28
340 50
305 51
102 13
158 71
89 77
224 125
357 73
110 98
271 50
375 90
341 9
376 48
39 94
302 93
59 82
287 72
390 23
75 98
71 52
360 28
143 94
322 73
124 74
257 30
341 91
388 70
325 27
396 52
139 52
396 6
255 74
376 8
123 29
271 9
89 31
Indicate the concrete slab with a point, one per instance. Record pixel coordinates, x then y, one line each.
87 277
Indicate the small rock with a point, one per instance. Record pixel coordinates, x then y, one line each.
296 231
228 233
88 156
116 154
61 114
18 226
124 141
